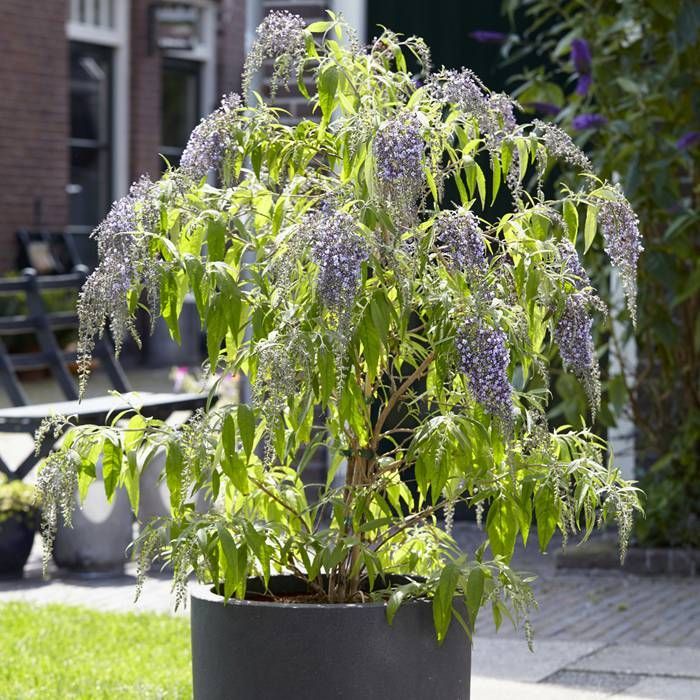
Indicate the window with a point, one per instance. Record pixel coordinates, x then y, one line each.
180 106
90 188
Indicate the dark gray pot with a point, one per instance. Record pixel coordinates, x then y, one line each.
275 651
16 540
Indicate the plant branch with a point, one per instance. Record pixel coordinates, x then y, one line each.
394 398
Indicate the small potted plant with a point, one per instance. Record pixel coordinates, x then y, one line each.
19 520
353 266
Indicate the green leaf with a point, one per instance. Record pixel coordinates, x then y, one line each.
474 594
327 85
496 169
397 598
230 552
571 219
547 514
246 428
442 600
133 435
216 240
174 464
111 466
629 85
228 435
590 227
198 283
216 329
320 27
502 527
431 184
169 304
236 470
131 481
481 185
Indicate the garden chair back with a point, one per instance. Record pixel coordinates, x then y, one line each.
38 321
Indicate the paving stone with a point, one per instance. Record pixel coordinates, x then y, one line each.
588 680
643 659
495 689
511 658
661 688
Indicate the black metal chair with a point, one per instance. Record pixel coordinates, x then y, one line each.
54 252
24 417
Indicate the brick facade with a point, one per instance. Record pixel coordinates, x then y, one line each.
231 45
34 119
145 97
35 107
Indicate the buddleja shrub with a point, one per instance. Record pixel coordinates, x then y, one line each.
332 269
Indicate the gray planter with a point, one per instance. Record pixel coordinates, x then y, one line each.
269 651
100 535
163 351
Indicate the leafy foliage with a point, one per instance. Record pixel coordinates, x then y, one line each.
335 277
18 499
639 61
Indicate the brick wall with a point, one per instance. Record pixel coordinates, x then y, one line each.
145 97
231 45
34 119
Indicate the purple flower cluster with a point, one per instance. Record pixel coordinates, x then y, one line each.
483 357
486 36
581 58
125 264
503 107
560 145
460 240
688 140
572 333
572 264
623 244
462 88
494 113
279 37
399 149
588 121
210 140
339 253
204 151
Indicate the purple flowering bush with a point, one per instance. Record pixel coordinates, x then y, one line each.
638 120
329 266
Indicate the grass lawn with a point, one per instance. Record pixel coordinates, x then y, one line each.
61 651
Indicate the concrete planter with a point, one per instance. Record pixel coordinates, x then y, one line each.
100 535
264 650
163 351
154 501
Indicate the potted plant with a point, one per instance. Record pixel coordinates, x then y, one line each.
356 263
19 520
